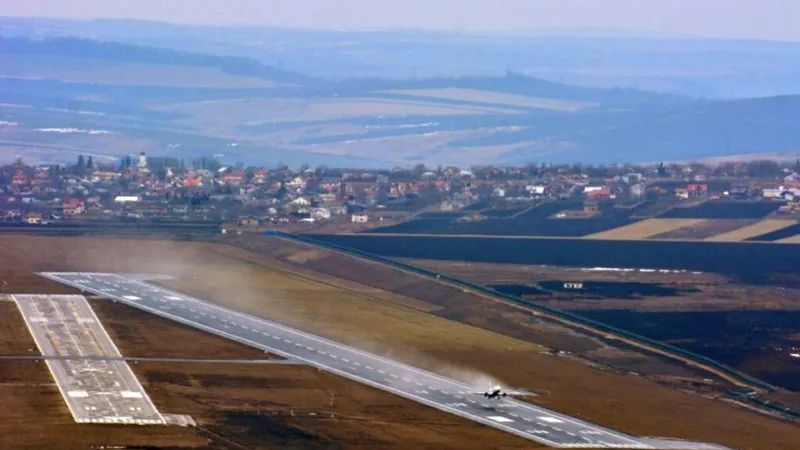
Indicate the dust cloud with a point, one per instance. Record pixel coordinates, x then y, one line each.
237 279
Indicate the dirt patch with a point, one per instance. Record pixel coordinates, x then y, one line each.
705 229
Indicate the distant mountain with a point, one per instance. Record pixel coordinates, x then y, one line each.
711 68
69 47
201 103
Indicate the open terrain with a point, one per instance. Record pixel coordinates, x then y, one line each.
235 405
745 326
443 329
644 229
497 98
753 230
174 97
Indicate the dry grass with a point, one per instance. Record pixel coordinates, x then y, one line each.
705 229
757 229
790 240
354 314
474 95
645 229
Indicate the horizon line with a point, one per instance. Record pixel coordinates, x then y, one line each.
564 32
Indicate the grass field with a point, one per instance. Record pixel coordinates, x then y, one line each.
258 111
87 70
756 229
473 95
644 229
359 311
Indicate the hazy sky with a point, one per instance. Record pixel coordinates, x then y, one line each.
763 19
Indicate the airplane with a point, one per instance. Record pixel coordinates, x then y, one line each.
494 392
497 391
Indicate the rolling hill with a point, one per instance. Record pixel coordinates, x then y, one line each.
210 104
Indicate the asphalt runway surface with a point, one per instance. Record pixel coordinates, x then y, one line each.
520 418
95 390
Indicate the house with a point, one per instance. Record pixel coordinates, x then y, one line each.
773 193
247 221
590 207
300 201
234 177
73 206
535 191
739 192
33 218
599 194
359 218
321 213
682 193
296 182
19 179
126 199
697 190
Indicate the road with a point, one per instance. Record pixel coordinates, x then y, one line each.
520 418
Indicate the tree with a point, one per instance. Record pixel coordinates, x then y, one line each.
418 170
80 167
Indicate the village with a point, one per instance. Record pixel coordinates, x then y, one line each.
150 188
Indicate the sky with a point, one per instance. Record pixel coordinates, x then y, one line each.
750 19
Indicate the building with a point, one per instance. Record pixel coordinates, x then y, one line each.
359 218
591 207
142 161
697 190
126 199
33 218
73 206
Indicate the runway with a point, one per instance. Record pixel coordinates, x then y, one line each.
520 418
95 390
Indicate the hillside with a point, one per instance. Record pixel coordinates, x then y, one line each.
117 98
711 68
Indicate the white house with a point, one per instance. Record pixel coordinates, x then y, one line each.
359 218
126 199
300 201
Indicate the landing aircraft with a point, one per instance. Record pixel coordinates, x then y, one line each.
494 392
497 391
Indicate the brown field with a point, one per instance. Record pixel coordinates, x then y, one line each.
645 229
474 95
461 336
705 229
756 229
790 240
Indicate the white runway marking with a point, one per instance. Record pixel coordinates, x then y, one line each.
501 419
